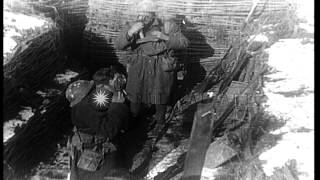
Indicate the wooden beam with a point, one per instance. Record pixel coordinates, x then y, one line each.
199 141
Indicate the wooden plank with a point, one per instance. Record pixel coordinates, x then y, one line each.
218 153
199 141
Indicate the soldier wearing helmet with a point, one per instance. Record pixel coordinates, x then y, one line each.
98 113
152 65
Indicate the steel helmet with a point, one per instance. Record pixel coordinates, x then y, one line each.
77 90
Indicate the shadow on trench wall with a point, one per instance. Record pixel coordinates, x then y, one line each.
37 140
190 58
97 52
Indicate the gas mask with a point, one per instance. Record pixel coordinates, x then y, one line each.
120 82
147 20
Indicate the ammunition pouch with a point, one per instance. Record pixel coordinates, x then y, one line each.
92 150
168 63
90 160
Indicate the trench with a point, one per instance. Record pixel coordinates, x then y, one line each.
37 140
84 49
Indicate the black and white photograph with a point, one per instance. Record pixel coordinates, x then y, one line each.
158 90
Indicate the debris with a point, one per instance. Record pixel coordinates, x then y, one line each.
218 153
66 77
200 139
26 113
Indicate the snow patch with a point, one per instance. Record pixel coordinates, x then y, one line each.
43 111
13 23
209 174
309 28
66 77
290 92
259 38
298 146
9 126
268 26
293 61
169 160
210 94
8 42
41 93
305 10
297 111
22 21
26 113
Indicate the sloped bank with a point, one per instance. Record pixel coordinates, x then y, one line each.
37 55
34 58
223 75
290 93
284 111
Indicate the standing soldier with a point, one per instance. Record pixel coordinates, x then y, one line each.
97 115
151 67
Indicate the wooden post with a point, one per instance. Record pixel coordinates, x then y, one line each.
199 141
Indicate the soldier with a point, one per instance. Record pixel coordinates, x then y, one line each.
151 68
98 113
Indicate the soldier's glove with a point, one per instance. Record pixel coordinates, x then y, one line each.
135 28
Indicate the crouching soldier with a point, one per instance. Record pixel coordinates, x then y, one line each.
98 113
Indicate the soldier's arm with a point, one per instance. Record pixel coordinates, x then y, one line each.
123 40
128 36
174 41
177 41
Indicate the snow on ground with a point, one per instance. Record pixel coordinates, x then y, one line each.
169 160
9 126
13 24
290 92
22 21
209 174
305 10
258 38
66 77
